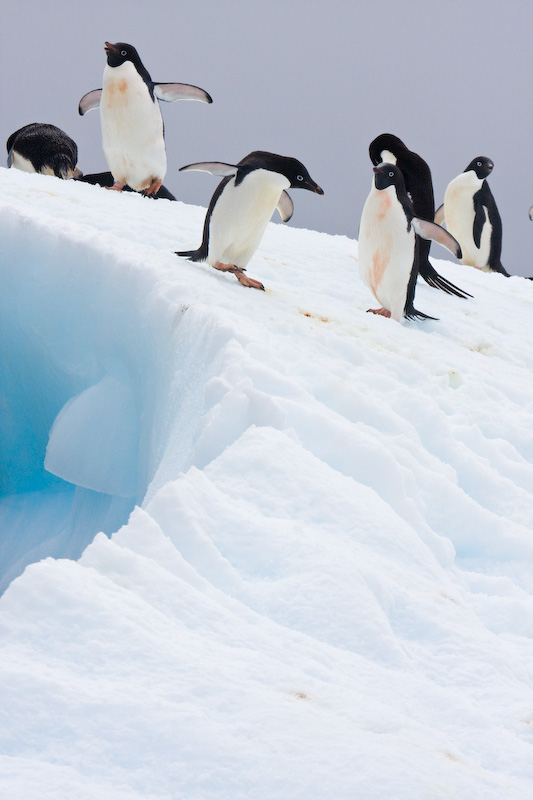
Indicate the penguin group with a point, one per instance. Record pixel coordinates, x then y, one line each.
398 221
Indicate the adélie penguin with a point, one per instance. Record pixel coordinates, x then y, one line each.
417 176
43 148
387 244
471 215
242 206
132 125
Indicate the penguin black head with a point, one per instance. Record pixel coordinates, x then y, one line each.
385 141
481 166
386 175
120 52
291 168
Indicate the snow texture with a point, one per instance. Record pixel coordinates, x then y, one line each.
255 545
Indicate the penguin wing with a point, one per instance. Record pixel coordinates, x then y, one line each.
439 217
180 91
214 167
480 217
429 230
285 206
89 101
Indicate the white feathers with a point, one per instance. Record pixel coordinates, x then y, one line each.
241 215
132 128
459 214
386 249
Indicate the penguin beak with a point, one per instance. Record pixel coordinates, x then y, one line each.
110 48
316 189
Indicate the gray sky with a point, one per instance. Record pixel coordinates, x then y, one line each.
314 80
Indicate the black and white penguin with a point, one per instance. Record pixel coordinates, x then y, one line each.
43 148
387 244
419 185
132 125
242 206
471 215
106 179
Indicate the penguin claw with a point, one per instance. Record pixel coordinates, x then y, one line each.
383 312
117 187
154 187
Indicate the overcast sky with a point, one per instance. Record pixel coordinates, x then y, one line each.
306 78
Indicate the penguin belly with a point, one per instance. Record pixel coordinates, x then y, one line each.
132 129
386 250
240 216
459 214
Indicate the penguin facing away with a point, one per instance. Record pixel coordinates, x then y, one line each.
43 148
242 206
132 125
471 215
387 244
417 176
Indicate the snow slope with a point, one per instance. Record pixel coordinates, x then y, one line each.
317 580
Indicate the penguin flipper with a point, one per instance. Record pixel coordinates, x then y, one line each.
169 92
480 217
429 230
439 218
89 101
285 206
214 167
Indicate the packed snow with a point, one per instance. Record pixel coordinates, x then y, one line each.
256 545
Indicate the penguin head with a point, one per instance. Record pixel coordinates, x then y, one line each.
386 175
481 166
385 142
299 177
120 52
291 168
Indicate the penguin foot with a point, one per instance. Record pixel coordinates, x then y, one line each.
383 312
239 274
154 187
117 187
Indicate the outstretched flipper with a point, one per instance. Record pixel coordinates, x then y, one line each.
213 167
430 230
285 206
89 101
169 92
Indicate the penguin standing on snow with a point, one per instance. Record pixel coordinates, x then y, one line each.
242 206
471 215
417 177
42 148
387 244
132 125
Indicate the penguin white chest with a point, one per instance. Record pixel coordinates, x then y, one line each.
459 213
386 250
241 215
132 128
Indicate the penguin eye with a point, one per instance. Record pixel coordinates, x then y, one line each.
479 163
123 52
300 177
391 174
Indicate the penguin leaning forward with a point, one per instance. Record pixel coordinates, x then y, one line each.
242 206
419 185
132 125
387 244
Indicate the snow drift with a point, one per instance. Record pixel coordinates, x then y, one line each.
318 569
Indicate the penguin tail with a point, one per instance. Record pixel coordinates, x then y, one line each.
411 312
432 278
498 267
192 255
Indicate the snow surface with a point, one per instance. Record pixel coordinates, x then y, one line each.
320 584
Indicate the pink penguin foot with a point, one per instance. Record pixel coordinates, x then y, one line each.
383 312
239 274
